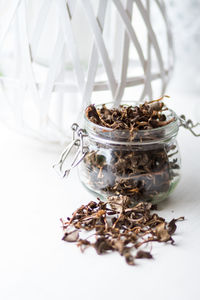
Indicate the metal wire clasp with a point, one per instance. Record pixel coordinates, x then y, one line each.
77 144
188 124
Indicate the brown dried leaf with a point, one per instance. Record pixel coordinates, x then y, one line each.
71 237
129 259
118 231
102 245
118 203
92 114
143 254
171 227
162 233
118 245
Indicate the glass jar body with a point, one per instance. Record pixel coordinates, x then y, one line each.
146 170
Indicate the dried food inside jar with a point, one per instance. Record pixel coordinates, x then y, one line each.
132 151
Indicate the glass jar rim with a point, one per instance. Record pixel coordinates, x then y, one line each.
102 133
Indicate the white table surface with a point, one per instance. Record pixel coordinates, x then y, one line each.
36 265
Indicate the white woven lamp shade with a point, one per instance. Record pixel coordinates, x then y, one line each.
57 56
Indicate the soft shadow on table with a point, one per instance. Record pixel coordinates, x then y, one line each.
167 204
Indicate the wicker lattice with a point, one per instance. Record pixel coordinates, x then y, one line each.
57 54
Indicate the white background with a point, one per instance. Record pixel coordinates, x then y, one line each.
36 264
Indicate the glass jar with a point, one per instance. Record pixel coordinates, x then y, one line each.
143 165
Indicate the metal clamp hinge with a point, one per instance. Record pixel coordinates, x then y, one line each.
77 144
188 124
